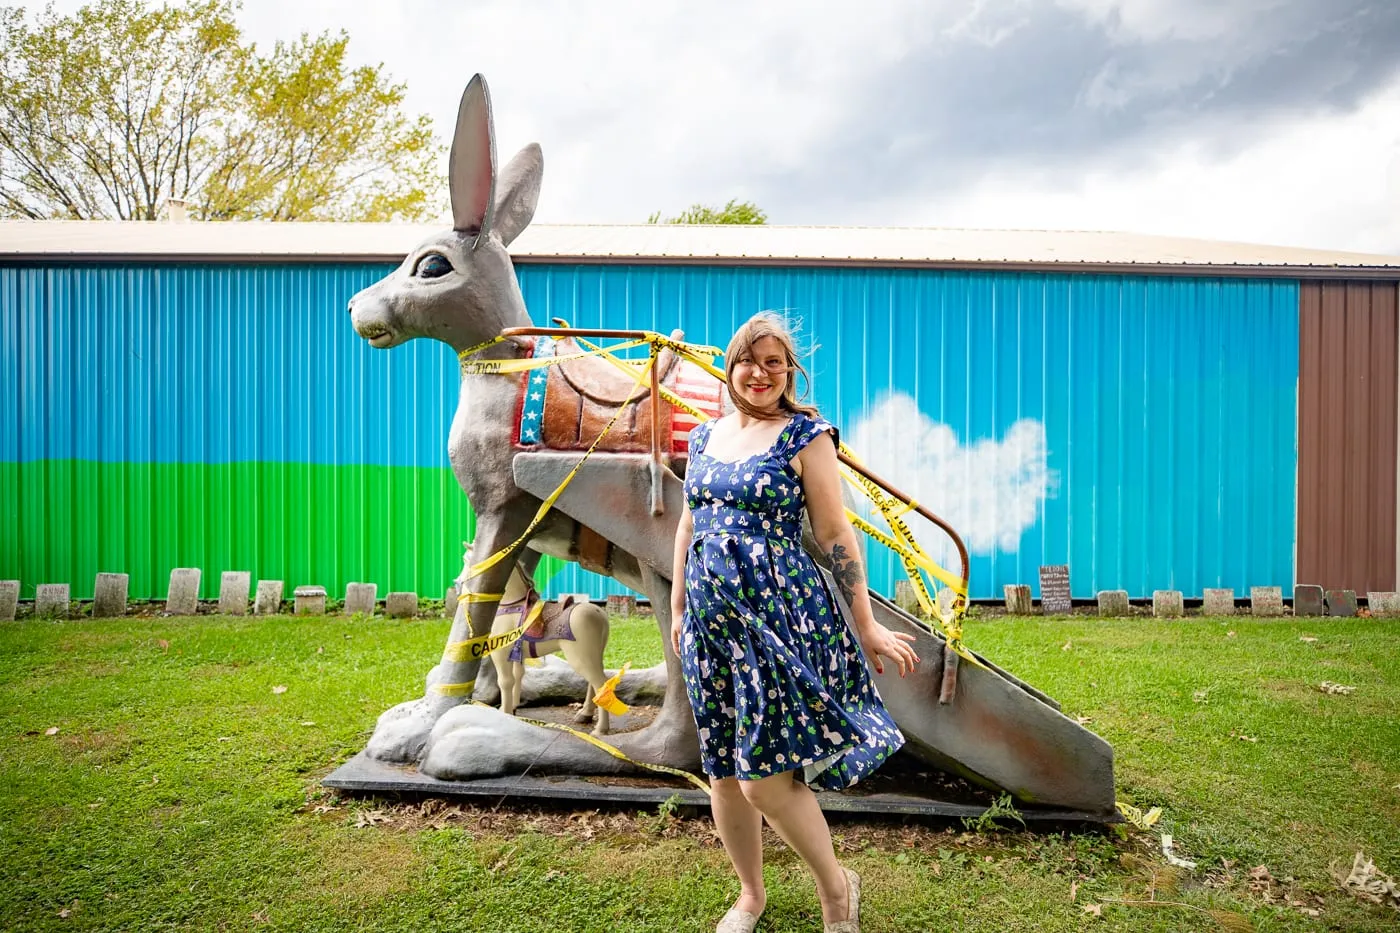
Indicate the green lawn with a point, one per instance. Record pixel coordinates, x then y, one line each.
181 790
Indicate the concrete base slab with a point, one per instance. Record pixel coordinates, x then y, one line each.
51 601
182 599
233 592
365 775
269 599
9 600
109 595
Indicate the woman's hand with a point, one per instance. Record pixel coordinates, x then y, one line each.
877 641
676 619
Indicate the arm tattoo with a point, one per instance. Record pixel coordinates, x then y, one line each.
847 571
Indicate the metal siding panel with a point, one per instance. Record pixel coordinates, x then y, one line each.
231 418
1347 435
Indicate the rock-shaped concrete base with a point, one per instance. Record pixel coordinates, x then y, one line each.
479 741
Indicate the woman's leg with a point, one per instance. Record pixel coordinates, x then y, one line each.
792 810
741 829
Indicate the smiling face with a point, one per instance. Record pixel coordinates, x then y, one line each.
760 375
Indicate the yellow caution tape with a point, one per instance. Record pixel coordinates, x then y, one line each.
537 362
639 375
619 753
1132 814
474 649
454 690
480 597
606 697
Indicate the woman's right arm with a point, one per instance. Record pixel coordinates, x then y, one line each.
684 529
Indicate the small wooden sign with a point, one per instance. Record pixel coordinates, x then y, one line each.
1054 590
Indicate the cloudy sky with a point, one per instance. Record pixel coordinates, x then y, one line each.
1274 121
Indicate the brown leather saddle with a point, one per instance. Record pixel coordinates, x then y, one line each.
582 396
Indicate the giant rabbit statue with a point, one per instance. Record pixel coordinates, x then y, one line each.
460 288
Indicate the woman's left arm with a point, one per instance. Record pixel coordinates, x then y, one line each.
821 484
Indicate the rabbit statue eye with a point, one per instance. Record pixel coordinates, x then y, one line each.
432 266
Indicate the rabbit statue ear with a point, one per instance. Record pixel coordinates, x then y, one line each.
519 193
471 166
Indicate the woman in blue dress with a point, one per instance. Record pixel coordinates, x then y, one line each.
777 680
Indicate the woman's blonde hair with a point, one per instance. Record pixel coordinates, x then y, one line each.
767 324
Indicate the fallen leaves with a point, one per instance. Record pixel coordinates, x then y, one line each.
1335 689
371 818
51 730
1243 738
1307 638
280 688
1093 910
1369 883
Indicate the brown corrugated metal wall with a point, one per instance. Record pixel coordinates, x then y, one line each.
1347 435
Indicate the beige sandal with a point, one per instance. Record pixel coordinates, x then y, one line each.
852 922
737 921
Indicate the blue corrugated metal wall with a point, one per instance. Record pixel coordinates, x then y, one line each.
1141 429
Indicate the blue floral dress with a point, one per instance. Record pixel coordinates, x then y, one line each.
776 679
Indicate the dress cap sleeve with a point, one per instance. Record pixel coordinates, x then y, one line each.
803 430
698 437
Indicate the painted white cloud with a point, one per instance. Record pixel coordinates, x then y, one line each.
990 491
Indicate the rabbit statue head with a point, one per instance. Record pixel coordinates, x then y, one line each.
460 287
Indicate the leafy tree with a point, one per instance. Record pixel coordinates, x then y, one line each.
735 212
111 111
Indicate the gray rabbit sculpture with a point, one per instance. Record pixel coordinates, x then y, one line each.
460 287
